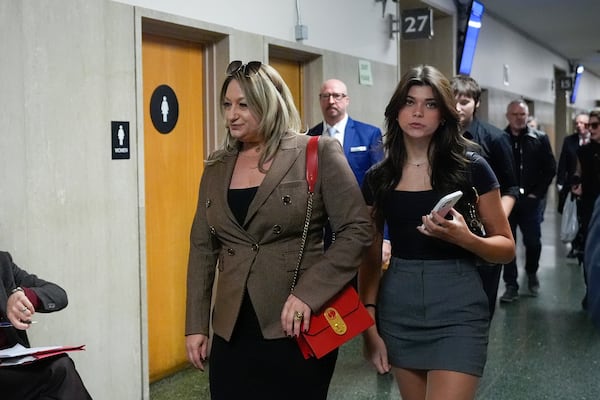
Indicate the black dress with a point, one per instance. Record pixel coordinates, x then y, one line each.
249 365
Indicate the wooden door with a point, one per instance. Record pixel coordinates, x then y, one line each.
173 165
291 72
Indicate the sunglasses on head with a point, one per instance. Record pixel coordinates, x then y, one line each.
246 69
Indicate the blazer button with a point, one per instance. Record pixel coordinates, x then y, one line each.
213 231
208 203
255 247
287 200
231 252
276 229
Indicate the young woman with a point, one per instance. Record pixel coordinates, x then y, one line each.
431 309
248 225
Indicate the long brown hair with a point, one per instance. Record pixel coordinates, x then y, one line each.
447 148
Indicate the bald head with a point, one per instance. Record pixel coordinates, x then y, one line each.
334 100
335 85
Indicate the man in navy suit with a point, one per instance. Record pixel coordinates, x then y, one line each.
361 142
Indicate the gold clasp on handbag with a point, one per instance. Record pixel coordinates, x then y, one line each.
335 320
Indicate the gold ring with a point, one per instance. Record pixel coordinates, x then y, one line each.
298 316
24 309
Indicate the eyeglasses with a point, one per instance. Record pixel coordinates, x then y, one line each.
247 70
336 96
594 125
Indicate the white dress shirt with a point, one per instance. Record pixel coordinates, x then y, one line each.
339 129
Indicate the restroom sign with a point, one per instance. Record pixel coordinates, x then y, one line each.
164 109
119 132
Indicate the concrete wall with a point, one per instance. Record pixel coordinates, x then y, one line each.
358 29
531 75
69 213
530 67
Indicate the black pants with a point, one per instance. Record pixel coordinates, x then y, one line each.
526 215
52 378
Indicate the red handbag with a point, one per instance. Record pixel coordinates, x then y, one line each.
344 316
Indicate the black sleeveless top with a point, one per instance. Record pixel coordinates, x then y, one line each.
239 200
403 210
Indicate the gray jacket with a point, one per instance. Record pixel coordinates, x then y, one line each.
52 297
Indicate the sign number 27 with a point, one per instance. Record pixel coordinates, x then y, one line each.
416 23
411 23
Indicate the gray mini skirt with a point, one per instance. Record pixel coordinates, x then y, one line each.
434 315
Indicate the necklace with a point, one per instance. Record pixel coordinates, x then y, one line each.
418 164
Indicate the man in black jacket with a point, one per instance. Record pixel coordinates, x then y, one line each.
495 147
536 167
21 296
567 164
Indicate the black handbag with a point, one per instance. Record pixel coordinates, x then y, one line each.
467 205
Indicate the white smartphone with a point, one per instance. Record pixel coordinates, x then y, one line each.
447 202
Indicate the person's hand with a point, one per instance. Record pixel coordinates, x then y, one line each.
449 230
386 252
197 347
577 189
19 310
295 315
374 350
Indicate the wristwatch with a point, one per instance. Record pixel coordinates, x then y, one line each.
17 289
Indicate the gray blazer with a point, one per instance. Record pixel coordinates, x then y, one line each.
261 255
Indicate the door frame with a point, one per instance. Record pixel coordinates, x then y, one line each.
216 57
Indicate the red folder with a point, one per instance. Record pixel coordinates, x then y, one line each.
19 355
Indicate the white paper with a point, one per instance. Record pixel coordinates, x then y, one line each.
19 350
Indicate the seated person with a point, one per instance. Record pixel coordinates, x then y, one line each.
21 295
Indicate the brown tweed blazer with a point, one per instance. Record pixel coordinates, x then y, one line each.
261 255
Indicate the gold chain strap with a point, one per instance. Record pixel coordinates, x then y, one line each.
309 208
